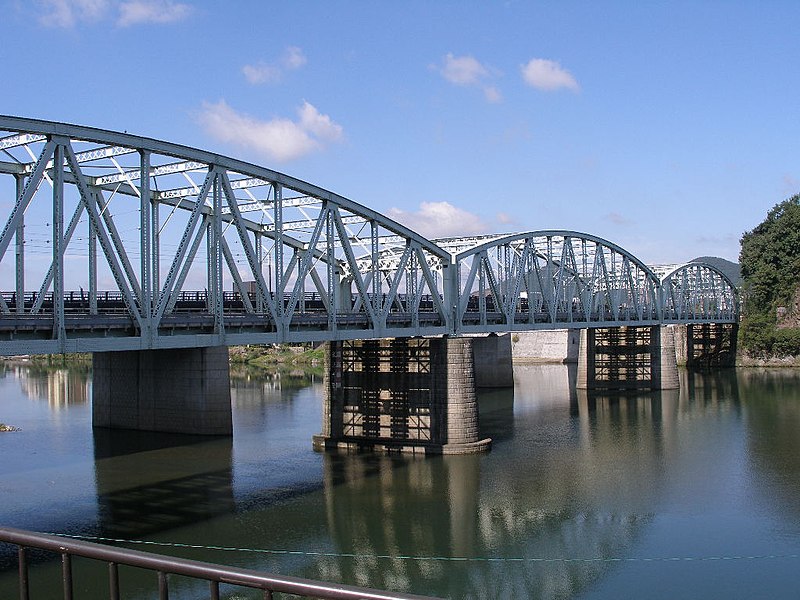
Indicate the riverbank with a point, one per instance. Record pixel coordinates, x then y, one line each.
744 359
277 355
258 356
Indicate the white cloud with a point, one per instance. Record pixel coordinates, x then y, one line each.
135 12
440 219
504 218
279 139
320 125
66 13
265 72
69 13
492 94
294 58
548 75
463 70
261 73
469 72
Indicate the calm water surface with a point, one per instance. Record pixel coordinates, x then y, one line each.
692 493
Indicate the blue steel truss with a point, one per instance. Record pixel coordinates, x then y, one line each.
122 242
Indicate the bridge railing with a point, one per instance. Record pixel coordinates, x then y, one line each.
164 566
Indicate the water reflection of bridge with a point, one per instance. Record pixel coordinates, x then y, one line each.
368 512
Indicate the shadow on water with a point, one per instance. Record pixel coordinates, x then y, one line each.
148 482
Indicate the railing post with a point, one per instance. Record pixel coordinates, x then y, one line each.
66 575
23 574
113 581
163 587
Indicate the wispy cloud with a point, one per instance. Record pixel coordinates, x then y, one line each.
271 72
791 185
136 12
469 72
440 219
617 219
548 75
279 139
66 14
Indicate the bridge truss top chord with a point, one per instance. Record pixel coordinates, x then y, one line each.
124 242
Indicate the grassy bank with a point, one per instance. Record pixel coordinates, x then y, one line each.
278 355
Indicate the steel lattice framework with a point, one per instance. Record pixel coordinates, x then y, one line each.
697 291
124 242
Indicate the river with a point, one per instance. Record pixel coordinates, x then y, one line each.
690 493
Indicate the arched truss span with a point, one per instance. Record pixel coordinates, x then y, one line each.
698 291
542 278
193 242
115 241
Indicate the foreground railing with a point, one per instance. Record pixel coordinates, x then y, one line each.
167 565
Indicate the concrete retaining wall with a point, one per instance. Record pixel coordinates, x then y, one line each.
545 346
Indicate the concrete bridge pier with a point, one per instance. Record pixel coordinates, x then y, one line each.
627 358
412 395
184 390
493 361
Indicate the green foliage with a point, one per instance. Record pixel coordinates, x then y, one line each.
770 258
760 337
756 334
770 263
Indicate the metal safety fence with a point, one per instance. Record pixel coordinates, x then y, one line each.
163 566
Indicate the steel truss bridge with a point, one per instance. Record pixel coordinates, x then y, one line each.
123 243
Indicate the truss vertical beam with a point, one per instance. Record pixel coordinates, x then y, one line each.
20 257
215 286
259 250
92 269
374 266
277 191
333 284
155 250
145 240
59 329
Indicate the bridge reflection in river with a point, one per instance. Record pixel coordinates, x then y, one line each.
577 497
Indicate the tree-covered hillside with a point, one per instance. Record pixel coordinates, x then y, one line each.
770 263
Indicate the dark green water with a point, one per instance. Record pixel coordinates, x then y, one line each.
692 493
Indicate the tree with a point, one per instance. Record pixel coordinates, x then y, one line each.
770 263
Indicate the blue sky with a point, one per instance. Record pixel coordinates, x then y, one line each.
669 128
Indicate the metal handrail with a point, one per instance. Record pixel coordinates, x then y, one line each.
165 565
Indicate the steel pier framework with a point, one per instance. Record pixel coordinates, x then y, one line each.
122 242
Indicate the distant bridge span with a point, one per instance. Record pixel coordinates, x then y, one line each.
120 242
